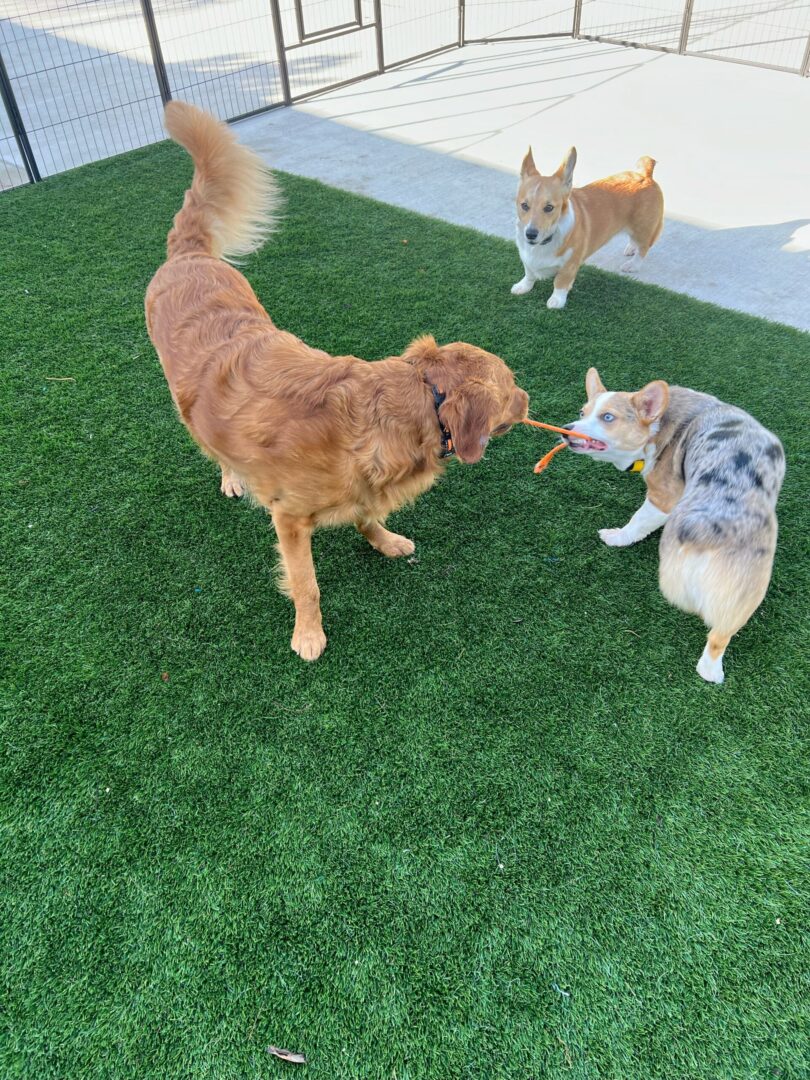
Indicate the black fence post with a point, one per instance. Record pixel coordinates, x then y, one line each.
157 52
462 21
284 74
17 125
378 33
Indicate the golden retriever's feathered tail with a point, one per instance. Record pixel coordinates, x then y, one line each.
231 206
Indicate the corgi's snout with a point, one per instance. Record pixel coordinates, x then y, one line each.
531 233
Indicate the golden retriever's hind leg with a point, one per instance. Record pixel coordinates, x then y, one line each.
230 484
300 584
386 542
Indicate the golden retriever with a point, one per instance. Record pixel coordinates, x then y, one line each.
315 439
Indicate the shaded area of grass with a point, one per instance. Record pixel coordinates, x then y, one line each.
501 829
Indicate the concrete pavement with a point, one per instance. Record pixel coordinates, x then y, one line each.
445 137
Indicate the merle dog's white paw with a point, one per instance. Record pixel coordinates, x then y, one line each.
710 670
614 537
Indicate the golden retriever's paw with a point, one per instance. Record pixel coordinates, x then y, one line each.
394 546
231 487
309 644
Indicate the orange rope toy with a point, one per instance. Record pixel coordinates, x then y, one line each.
544 461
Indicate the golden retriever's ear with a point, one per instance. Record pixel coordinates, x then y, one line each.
650 401
593 384
422 348
520 403
467 414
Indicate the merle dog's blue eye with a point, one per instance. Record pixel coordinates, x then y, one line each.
608 417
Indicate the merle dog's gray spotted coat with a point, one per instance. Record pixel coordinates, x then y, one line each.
732 469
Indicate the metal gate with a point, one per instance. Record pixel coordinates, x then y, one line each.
772 34
82 80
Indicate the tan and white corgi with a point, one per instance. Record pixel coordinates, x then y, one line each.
559 226
713 474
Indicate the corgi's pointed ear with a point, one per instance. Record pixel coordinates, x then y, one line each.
593 384
528 168
566 169
650 401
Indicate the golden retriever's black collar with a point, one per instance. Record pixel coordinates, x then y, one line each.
448 450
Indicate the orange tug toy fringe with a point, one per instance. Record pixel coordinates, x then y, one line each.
544 461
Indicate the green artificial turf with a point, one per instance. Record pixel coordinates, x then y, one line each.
501 829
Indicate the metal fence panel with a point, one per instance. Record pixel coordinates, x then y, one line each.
328 43
771 34
82 75
221 56
650 23
412 28
490 20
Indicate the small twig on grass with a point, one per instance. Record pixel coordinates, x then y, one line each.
287 1055
631 632
59 378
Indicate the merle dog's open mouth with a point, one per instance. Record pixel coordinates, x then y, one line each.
585 444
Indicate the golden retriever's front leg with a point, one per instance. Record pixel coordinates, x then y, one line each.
230 484
382 540
300 584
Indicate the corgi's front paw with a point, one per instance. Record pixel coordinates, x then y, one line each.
522 287
557 299
615 537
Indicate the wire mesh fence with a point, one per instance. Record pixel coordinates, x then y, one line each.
652 24
82 80
771 33
519 20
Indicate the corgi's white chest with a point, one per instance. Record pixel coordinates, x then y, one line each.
542 259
